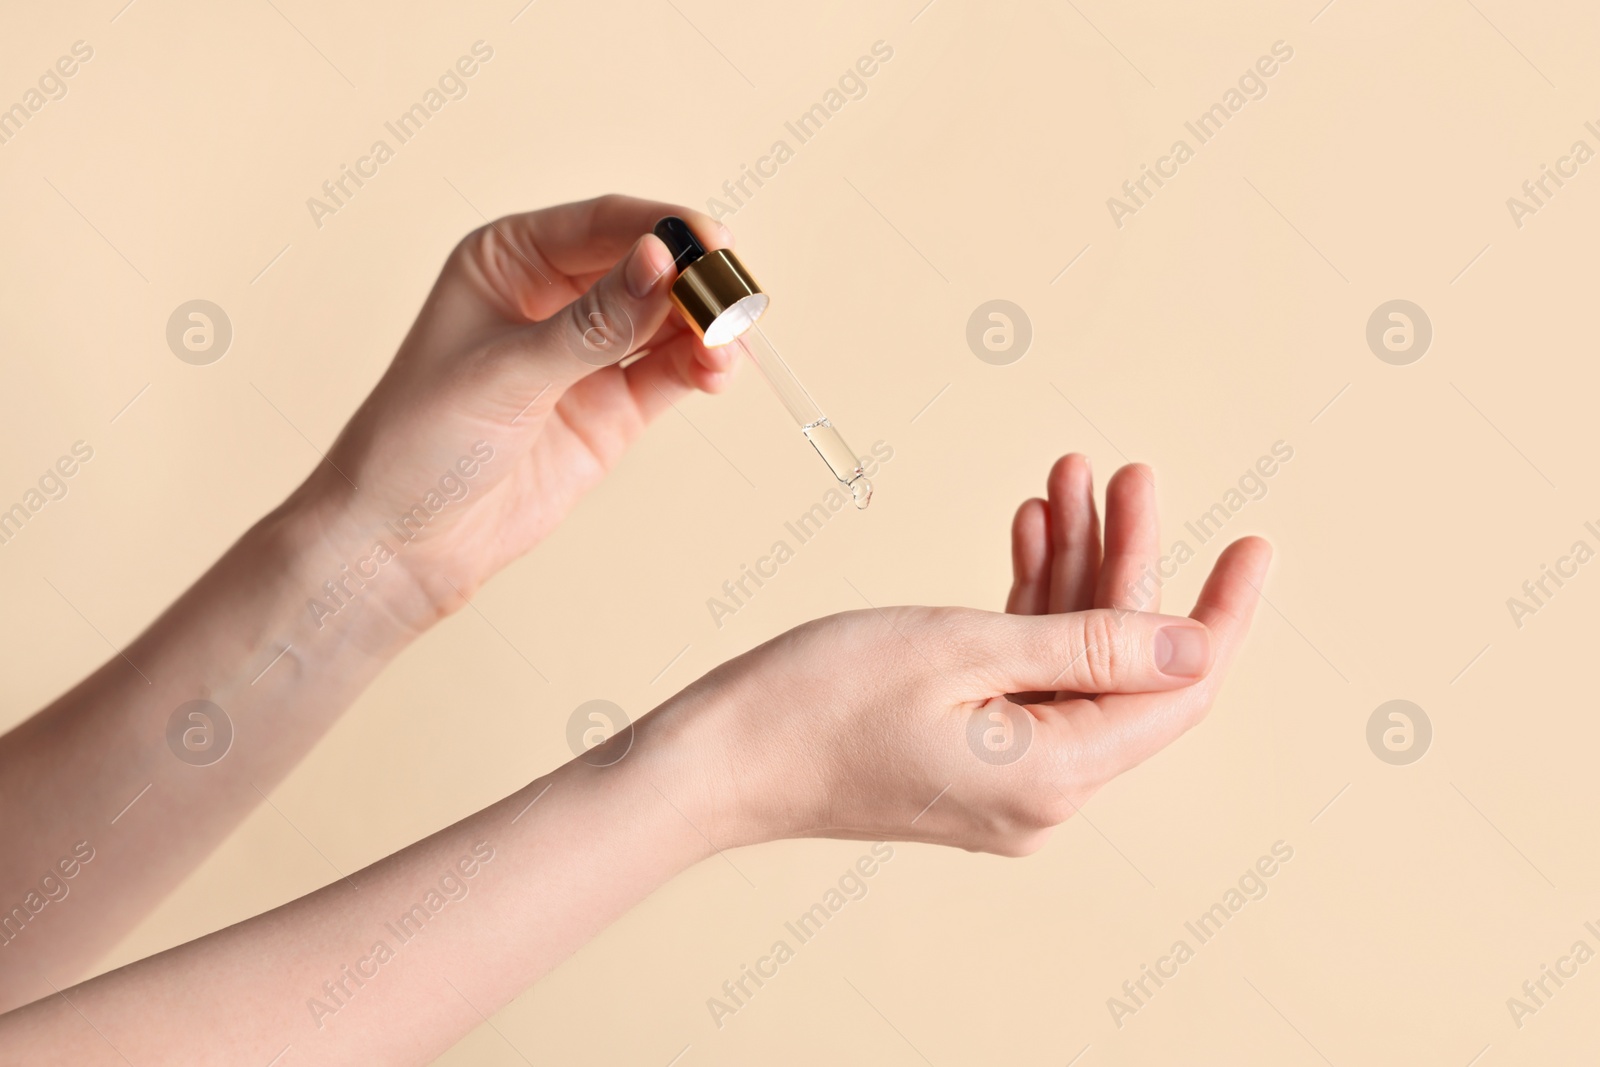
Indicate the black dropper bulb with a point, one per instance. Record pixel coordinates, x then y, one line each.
680 241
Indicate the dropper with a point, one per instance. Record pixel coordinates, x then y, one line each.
722 302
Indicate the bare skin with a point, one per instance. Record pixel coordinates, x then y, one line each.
845 727
497 356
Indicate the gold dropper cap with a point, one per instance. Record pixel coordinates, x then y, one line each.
714 291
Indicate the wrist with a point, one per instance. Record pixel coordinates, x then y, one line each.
347 565
737 779
647 802
329 570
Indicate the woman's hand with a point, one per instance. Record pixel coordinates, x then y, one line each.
506 402
903 723
971 728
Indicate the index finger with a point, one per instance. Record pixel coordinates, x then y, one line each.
589 236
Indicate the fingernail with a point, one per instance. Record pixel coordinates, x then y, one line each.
1183 651
650 261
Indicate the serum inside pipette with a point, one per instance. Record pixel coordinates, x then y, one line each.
840 460
818 429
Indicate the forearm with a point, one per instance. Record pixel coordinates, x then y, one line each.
103 771
486 429
399 961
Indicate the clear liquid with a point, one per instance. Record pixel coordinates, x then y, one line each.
841 460
839 457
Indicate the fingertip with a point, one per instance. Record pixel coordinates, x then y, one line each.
1256 548
648 264
718 360
712 233
1071 476
708 381
1131 477
1031 510
1030 540
1130 494
1070 487
1250 556
1030 559
1228 600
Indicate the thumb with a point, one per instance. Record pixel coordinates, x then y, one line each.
1098 651
610 321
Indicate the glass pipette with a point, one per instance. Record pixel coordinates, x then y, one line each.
722 302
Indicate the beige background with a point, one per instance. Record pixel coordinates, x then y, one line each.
1223 317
